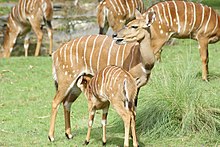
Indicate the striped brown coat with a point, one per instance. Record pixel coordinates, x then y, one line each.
27 15
111 85
182 19
89 54
116 13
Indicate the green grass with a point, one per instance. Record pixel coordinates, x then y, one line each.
4 10
212 3
26 93
4 1
175 108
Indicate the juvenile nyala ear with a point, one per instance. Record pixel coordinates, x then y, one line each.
150 18
79 82
138 14
83 82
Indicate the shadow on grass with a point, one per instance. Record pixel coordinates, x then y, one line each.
211 76
115 136
214 76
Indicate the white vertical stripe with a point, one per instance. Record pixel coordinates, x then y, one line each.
109 77
100 51
31 4
95 83
117 77
64 52
177 16
77 50
210 13
19 6
116 60
136 5
168 8
18 12
194 16
104 76
24 7
122 57
109 52
142 6
117 7
54 70
164 13
158 13
132 57
113 76
186 16
113 6
28 4
84 55
61 49
203 15
128 8
216 23
124 11
91 55
12 20
133 7
71 53
13 12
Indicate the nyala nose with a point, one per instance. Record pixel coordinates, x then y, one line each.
114 35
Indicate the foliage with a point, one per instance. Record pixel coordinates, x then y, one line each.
3 1
4 10
177 103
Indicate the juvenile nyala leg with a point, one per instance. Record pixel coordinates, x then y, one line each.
124 113
90 123
104 123
133 129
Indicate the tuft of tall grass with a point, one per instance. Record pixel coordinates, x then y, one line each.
174 104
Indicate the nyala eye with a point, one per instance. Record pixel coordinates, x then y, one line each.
134 27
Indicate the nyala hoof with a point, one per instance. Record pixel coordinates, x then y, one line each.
51 139
69 136
86 142
103 143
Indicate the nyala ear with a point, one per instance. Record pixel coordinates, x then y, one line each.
150 18
138 14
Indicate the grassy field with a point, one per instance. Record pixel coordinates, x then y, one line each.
176 108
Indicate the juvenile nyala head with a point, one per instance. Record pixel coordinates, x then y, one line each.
135 30
84 83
